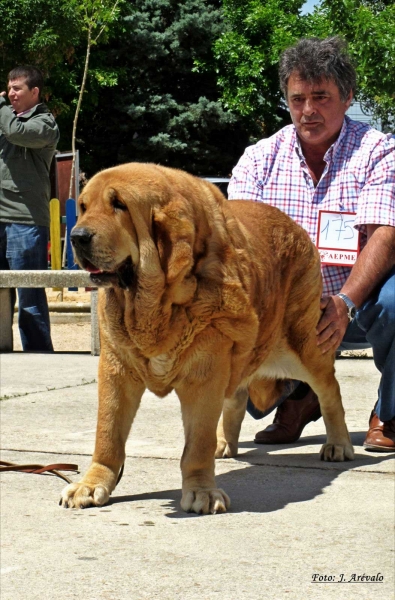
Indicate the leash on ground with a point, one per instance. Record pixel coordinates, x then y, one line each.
39 469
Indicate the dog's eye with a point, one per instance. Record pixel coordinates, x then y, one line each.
82 208
118 205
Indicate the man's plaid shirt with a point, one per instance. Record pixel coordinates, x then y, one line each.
359 177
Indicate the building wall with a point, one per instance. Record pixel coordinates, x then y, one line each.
355 112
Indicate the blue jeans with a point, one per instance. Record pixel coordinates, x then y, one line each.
25 247
373 326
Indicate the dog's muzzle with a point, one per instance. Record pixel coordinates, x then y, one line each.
122 276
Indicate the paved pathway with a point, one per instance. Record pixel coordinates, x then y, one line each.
294 521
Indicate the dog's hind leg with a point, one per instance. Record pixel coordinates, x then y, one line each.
229 426
338 445
263 392
320 375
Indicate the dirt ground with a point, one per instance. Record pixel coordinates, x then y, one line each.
66 337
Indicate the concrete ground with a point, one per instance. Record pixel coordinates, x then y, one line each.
298 528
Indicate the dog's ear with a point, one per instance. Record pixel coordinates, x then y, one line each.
174 235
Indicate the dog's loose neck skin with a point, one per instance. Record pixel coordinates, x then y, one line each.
192 277
159 320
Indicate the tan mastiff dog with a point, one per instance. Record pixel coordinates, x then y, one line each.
214 299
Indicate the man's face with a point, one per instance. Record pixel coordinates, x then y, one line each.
317 111
21 97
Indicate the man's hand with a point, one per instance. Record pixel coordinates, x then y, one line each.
3 93
333 323
372 265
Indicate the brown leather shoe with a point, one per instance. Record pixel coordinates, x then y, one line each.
291 418
381 435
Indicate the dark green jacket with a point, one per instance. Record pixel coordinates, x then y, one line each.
27 146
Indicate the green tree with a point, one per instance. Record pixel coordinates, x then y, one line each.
257 31
369 28
247 55
164 109
94 17
44 34
145 99
51 34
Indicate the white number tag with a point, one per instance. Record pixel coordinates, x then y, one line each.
337 240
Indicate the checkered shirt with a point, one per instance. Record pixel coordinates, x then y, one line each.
359 177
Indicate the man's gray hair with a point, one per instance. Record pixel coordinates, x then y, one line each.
314 60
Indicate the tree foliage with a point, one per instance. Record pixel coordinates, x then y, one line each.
369 28
185 84
247 55
41 33
257 31
163 109
145 99
51 34
95 17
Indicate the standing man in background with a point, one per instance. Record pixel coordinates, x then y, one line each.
326 161
28 139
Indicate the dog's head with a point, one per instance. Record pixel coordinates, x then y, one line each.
143 220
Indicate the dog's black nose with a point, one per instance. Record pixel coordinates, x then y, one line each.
80 236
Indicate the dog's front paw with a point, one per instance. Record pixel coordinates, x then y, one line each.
226 449
337 452
81 495
204 502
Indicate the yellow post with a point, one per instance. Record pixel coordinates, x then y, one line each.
56 253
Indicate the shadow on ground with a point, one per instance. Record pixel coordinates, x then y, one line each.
271 481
